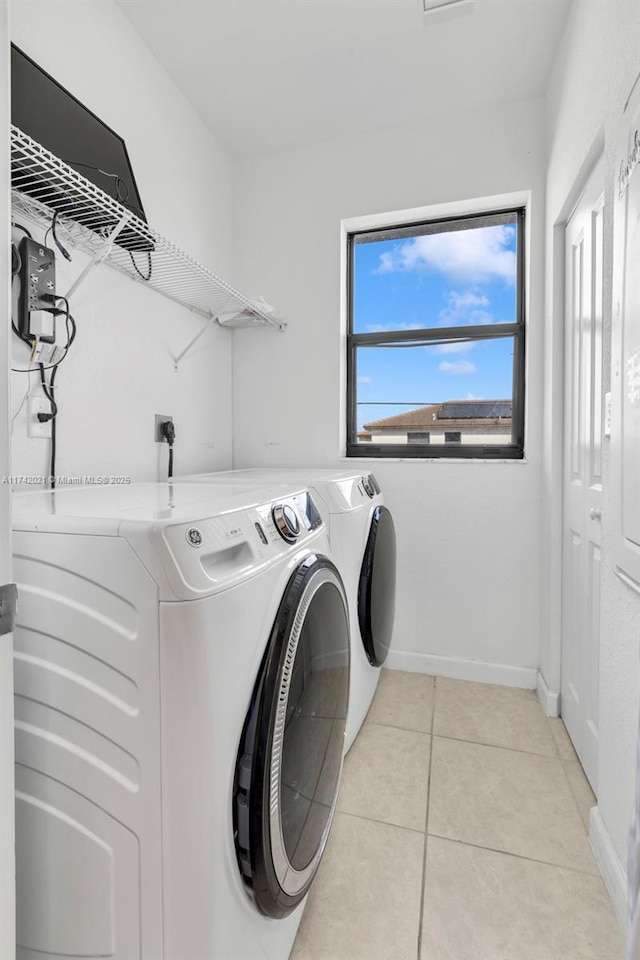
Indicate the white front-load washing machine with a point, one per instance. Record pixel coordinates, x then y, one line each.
363 547
181 677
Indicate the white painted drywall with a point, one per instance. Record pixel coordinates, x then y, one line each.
596 66
468 533
120 372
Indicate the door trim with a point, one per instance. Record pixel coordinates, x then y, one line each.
549 671
581 531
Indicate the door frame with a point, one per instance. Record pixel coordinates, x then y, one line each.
550 669
580 643
7 827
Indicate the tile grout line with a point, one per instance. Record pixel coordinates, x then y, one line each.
395 726
383 823
517 856
426 826
564 762
558 758
573 795
555 742
497 746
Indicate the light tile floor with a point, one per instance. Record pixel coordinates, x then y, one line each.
461 834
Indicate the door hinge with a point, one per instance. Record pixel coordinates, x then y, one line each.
8 607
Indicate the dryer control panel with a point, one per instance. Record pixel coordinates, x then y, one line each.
370 486
352 492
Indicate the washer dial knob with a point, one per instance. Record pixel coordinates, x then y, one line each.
286 521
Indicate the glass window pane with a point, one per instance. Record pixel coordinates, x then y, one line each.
454 393
439 278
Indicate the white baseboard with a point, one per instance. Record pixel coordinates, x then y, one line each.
549 699
478 670
608 861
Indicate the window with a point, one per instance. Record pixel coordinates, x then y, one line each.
435 345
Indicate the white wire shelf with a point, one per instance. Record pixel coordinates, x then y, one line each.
90 220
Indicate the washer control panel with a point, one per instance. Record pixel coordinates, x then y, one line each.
289 520
223 549
286 521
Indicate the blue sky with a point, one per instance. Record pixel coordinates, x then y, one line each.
445 279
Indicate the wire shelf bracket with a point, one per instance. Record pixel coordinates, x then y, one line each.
99 225
190 345
99 256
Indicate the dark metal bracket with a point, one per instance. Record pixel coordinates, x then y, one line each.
8 607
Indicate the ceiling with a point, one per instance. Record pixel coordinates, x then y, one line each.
267 75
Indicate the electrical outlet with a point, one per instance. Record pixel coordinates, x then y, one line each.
160 419
35 429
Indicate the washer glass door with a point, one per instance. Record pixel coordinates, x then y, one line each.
290 759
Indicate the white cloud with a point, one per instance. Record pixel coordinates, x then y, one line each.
457 367
472 396
465 307
469 256
386 264
365 380
393 325
462 346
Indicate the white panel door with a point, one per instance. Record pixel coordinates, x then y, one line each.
582 527
625 351
7 863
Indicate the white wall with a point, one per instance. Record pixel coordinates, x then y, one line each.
120 372
596 66
468 533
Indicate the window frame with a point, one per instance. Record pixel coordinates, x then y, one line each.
433 335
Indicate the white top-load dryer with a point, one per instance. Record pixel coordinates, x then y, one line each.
181 679
363 547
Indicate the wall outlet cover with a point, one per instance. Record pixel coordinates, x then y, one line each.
160 419
35 429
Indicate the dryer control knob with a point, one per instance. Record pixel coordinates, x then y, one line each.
369 488
286 521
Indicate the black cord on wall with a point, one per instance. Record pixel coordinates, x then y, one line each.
48 386
168 431
149 266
